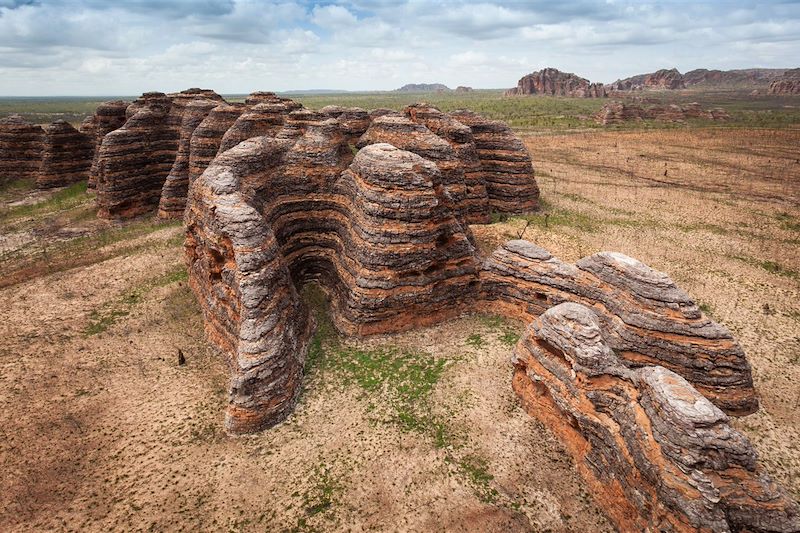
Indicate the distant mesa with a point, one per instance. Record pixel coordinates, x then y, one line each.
553 82
672 79
463 89
423 88
789 83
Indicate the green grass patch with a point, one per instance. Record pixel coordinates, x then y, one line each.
476 469
788 222
67 198
475 340
770 266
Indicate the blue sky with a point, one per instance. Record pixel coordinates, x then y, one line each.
97 47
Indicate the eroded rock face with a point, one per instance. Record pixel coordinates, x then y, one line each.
658 455
505 162
207 137
21 146
664 79
133 161
66 156
108 117
553 82
375 235
176 186
619 112
645 316
789 83
475 206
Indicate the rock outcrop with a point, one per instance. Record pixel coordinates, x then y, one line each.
735 79
505 162
553 82
207 137
657 455
620 112
464 89
269 213
21 146
423 88
475 208
618 360
646 318
133 161
664 79
66 156
789 83
108 117
176 186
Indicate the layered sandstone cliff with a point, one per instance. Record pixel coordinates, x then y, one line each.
553 82
789 83
620 112
21 146
66 156
657 455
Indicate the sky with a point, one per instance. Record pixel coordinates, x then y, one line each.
126 47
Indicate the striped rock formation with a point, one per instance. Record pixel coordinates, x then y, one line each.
402 133
353 121
66 156
657 455
21 146
133 161
271 213
553 82
645 317
260 120
108 117
176 186
506 164
476 201
207 137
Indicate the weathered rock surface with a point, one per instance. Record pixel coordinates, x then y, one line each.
475 208
376 236
657 455
789 83
20 149
405 134
423 88
353 121
645 316
464 89
176 186
133 161
207 137
739 78
506 164
664 79
108 117
66 156
553 82
619 112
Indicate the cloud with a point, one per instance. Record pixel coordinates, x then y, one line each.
126 46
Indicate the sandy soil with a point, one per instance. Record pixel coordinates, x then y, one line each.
101 429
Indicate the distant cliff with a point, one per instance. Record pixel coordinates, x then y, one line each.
423 88
553 82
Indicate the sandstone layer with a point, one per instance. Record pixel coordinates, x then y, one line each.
553 82
646 318
133 161
620 112
108 117
21 146
657 455
66 156
505 162
789 83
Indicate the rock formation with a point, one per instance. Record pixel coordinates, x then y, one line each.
735 79
273 212
423 88
207 137
20 149
176 186
66 156
657 455
620 112
618 360
108 117
553 82
464 89
664 79
505 162
475 208
789 83
133 161
646 318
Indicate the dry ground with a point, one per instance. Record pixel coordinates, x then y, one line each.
100 429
